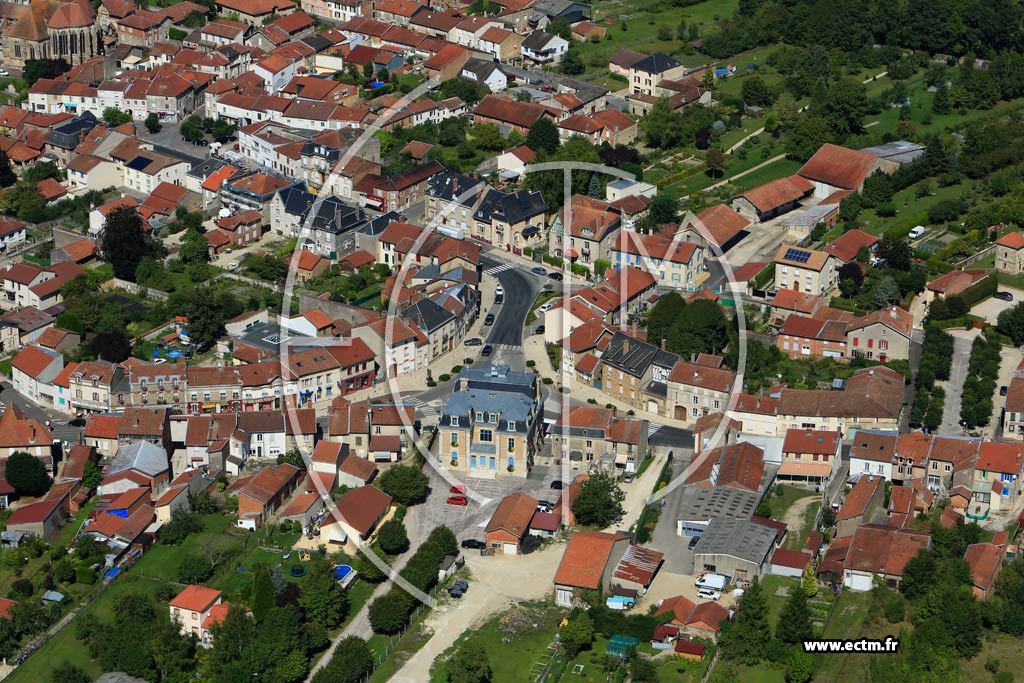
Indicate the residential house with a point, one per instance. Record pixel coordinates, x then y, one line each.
356 517
997 478
509 115
873 453
862 503
33 371
587 564
803 337
592 234
805 270
541 47
512 220
92 386
883 335
589 435
674 262
261 494
872 399
810 457
699 388
647 73
195 610
702 620
636 372
834 168
379 431
21 433
138 464
881 552
985 561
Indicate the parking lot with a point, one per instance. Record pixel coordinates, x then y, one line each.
469 521
990 308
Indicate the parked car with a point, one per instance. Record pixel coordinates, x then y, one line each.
693 543
538 270
629 477
1005 296
489 319
458 500
473 341
540 329
473 544
487 351
455 592
4 73
544 308
555 275
708 594
1003 390
544 508
459 489
77 422
557 484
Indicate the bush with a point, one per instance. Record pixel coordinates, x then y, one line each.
444 378
85 575
21 589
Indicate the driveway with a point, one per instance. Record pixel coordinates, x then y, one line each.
954 386
497 583
990 308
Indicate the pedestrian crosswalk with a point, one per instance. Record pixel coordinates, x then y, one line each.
424 410
653 428
507 347
498 269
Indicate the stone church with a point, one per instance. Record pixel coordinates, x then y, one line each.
49 29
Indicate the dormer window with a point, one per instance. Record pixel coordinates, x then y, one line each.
454 421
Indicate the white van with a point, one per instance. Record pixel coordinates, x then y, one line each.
715 581
916 232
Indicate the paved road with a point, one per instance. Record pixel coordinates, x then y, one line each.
955 384
521 289
59 422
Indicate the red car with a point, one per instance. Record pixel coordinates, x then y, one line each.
458 500
459 489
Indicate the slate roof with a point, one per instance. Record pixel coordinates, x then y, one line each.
143 456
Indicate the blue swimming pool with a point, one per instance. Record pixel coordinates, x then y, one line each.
341 571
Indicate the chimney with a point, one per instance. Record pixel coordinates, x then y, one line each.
455 186
633 329
625 346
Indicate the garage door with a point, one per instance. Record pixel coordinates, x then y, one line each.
858 581
510 549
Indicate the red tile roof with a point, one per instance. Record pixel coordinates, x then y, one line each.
956 281
513 515
838 166
848 245
884 550
811 441
777 193
361 508
32 361
856 503
1013 240
984 560
585 558
196 598
790 558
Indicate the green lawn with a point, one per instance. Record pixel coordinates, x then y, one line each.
779 169
530 631
790 495
406 648
162 561
640 32
65 647
847 621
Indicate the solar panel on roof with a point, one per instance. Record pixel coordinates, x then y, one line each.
139 163
798 255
